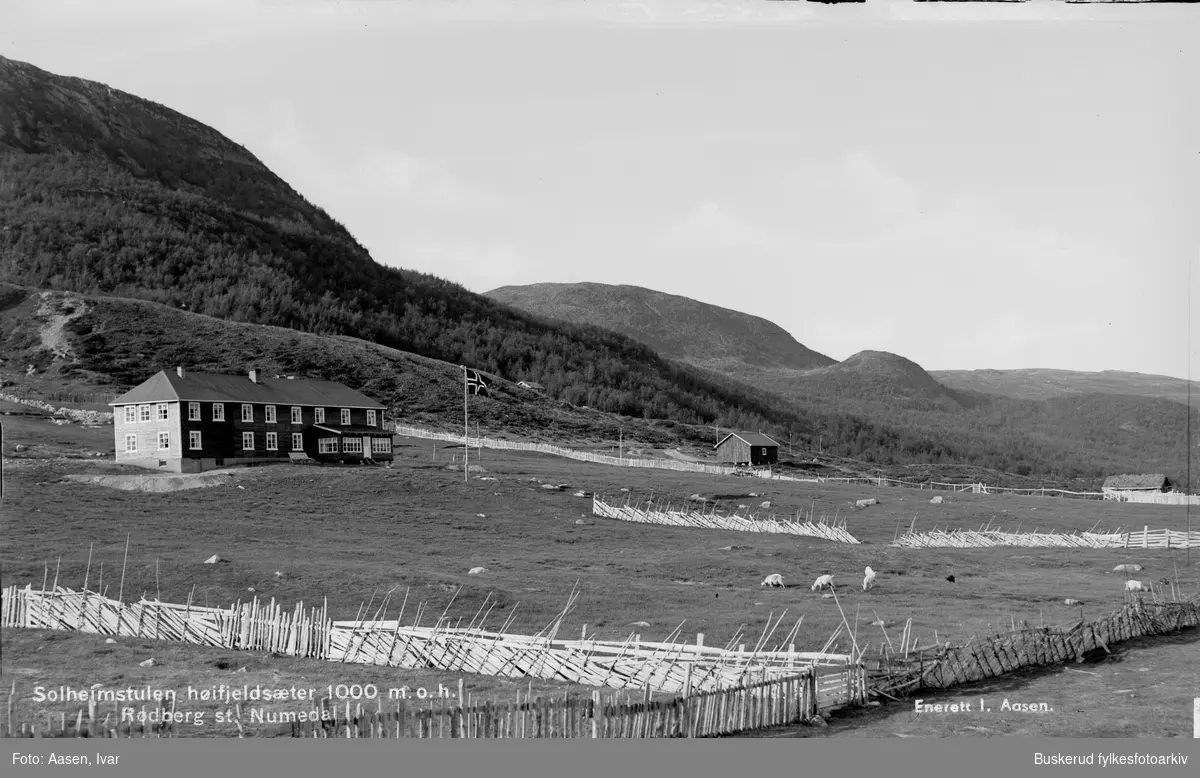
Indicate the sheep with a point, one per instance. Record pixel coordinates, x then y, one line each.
1133 586
868 578
822 582
774 579
1127 569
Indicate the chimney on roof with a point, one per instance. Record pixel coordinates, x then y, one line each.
254 376
180 371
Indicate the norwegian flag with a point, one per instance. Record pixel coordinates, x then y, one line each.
475 382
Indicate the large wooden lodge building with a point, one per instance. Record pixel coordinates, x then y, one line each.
187 422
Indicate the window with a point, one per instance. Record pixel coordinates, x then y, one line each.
248 441
370 418
247 412
352 445
270 414
272 441
162 412
295 414
345 416
218 411
327 446
381 446
318 415
131 442
193 411
164 440
130 414
194 439
143 413
297 441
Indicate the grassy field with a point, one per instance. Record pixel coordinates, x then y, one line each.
350 534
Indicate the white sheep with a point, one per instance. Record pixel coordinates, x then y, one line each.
774 579
1133 586
1127 569
822 582
868 578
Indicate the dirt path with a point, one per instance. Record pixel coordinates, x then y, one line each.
58 311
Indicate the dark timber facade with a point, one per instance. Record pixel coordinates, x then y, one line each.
190 422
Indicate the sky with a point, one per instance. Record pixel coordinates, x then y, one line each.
968 194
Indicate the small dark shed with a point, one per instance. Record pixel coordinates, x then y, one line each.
1154 482
747 448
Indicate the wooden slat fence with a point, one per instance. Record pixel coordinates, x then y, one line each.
583 456
767 473
1153 498
759 704
655 514
940 667
959 538
257 626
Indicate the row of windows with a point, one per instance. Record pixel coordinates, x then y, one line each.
324 445
142 413
353 446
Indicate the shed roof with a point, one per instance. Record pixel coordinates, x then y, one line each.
1151 481
166 386
750 438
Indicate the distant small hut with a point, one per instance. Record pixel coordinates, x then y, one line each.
1154 482
747 448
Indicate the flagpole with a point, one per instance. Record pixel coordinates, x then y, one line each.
466 429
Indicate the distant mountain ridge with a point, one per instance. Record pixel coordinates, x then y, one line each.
1045 383
879 375
677 327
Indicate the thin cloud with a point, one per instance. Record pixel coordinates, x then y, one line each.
712 224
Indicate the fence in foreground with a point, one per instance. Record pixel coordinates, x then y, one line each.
256 626
759 704
941 667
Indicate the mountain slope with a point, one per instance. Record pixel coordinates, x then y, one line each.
102 192
110 196
676 327
1041 384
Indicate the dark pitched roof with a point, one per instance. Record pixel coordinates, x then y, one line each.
166 386
1151 481
751 438
354 429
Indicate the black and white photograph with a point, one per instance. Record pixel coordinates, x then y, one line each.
600 370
